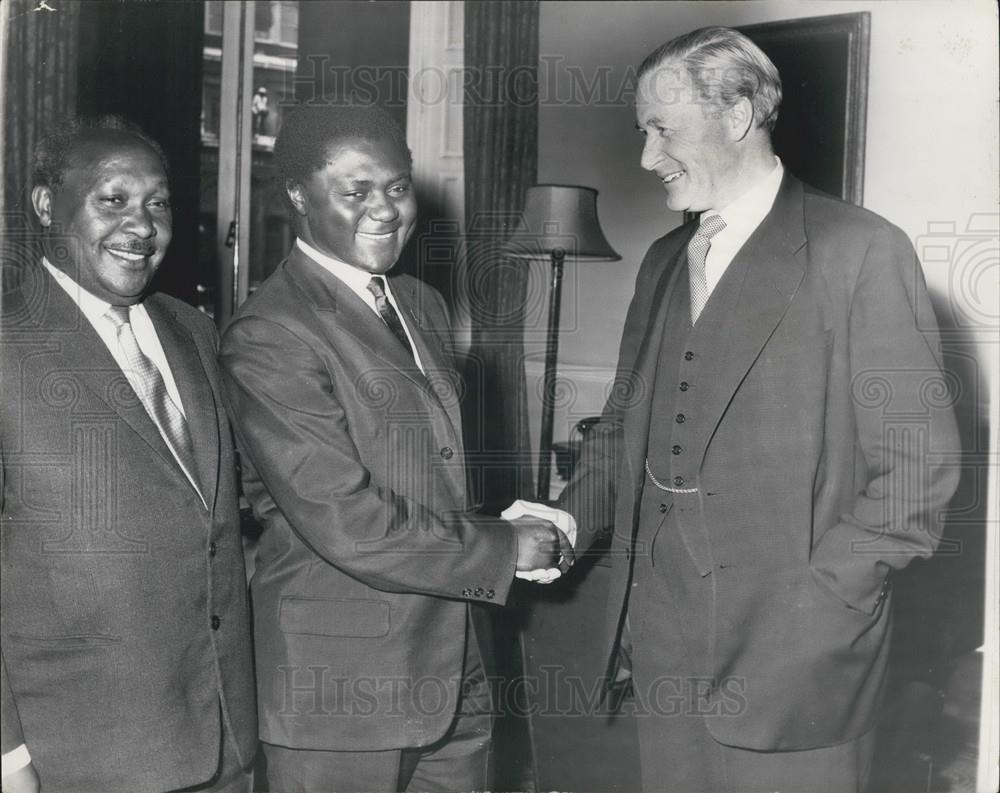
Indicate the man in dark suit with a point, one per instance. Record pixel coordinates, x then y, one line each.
776 446
346 407
126 644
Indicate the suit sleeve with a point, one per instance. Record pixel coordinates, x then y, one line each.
906 429
294 433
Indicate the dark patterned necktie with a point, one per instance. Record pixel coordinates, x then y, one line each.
152 392
377 287
697 253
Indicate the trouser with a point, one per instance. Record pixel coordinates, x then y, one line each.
455 762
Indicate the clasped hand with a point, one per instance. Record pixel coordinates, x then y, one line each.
545 539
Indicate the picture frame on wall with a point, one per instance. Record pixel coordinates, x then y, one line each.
820 133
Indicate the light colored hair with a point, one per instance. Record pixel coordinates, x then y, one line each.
724 66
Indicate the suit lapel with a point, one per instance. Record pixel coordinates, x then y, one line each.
86 359
343 313
440 374
772 274
187 364
346 314
441 384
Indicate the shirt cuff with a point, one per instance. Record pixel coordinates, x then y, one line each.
15 760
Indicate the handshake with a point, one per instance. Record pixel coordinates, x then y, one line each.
545 540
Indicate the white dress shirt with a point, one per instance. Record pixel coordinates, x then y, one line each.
742 218
357 281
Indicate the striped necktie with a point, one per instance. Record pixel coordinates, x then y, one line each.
697 252
377 287
152 392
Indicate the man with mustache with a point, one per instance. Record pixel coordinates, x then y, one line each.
342 385
126 646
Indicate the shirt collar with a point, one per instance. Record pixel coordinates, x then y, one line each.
356 278
747 212
91 306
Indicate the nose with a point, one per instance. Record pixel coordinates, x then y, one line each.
140 222
382 208
651 155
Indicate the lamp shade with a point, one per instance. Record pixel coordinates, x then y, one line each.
560 217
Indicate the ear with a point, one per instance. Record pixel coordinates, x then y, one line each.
41 202
741 118
297 196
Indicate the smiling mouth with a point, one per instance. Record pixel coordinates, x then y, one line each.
130 255
672 177
368 235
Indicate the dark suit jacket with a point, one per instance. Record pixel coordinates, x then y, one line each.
112 567
354 464
823 435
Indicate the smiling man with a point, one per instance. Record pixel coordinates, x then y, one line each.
778 453
344 396
126 659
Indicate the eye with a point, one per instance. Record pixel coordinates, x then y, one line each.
113 200
160 203
400 189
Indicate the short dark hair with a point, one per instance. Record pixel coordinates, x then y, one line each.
308 131
724 65
51 157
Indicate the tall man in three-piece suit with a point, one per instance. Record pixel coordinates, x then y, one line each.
126 645
344 398
779 434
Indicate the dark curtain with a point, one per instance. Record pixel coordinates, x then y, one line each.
41 57
501 158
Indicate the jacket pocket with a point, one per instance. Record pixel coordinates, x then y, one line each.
358 618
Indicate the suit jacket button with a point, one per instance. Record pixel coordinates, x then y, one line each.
447 452
684 386
216 622
679 418
663 507
689 356
676 449
479 592
490 594
212 549
678 481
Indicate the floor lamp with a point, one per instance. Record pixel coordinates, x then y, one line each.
560 224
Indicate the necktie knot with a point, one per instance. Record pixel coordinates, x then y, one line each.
118 315
377 287
710 226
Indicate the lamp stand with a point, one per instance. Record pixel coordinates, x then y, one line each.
549 379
